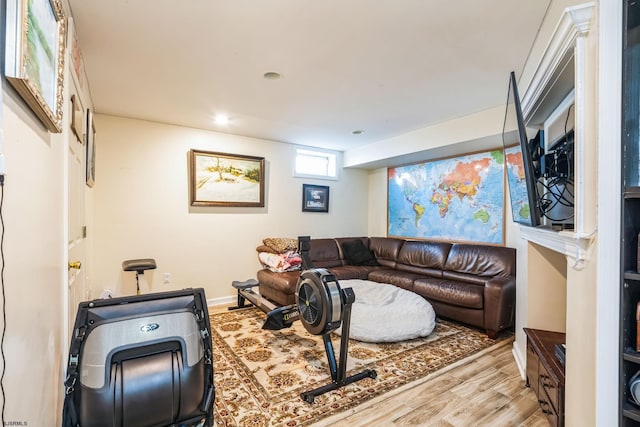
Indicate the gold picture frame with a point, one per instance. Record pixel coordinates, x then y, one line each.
34 56
221 179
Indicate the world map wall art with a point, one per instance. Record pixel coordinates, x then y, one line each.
456 199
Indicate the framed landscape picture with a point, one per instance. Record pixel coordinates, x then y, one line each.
455 199
221 179
34 56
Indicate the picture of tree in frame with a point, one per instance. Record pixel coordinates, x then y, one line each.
34 56
221 179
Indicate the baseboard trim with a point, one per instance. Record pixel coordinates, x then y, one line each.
520 361
211 302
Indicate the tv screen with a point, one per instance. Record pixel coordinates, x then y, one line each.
521 175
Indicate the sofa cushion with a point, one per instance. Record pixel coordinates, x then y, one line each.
345 272
423 257
481 260
466 278
401 279
355 252
470 316
454 293
386 250
278 287
324 253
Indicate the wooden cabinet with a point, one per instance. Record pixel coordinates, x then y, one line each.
545 373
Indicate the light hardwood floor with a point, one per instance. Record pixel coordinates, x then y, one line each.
487 391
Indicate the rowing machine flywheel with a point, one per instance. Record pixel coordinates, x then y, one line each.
319 301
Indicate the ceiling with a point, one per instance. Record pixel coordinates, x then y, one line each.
385 67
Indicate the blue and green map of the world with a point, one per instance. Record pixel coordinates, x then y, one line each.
516 178
458 199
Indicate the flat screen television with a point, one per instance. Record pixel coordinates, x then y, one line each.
519 161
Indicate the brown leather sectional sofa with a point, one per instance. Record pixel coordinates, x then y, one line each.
473 284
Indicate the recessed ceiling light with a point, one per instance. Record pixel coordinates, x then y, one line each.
221 119
272 75
357 132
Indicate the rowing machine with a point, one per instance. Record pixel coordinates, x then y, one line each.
278 317
322 306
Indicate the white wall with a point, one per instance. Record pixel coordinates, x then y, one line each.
141 208
480 131
378 186
33 212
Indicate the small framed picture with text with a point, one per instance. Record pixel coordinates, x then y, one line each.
315 198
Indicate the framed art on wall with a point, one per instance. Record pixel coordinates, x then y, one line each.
456 199
77 118
91 149
222 179
315 198
34 56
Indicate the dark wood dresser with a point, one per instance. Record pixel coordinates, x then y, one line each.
545 374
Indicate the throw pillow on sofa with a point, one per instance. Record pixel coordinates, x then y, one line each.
356 253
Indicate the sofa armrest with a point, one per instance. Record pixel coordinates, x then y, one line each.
499 304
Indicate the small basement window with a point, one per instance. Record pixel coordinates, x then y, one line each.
316 163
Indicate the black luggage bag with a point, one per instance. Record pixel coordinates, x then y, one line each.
141 361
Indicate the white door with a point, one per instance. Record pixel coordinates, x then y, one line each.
76 246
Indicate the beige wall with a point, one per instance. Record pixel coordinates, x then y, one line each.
546 289
580 399
377 219
33 211
141 208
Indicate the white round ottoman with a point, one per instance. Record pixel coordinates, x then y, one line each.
387 313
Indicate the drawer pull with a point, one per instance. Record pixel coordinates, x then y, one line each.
546 381
544 405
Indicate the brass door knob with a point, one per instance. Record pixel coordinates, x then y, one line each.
75 265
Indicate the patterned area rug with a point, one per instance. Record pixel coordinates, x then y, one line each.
259 374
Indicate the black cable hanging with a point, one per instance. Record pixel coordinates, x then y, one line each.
557 190
4 311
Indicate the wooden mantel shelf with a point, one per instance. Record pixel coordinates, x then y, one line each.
573 245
